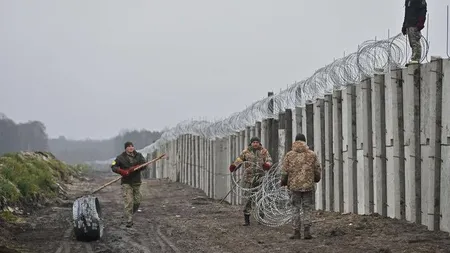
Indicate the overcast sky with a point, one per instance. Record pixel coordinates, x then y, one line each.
89 68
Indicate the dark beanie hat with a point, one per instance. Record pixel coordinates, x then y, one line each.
127 144
300 137
255 139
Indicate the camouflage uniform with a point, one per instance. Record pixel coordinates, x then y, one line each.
300 172
253 160
414 36
130 184
413 23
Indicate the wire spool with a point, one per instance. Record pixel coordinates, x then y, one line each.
87 223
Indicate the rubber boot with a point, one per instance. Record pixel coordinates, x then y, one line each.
247 220
307 234
296 234
135 207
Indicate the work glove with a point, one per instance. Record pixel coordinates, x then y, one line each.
232 168
404 30
421 23
266 166
123 172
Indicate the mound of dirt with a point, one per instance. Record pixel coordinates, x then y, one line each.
29 181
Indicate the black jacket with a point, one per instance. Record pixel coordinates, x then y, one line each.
126 161
413 10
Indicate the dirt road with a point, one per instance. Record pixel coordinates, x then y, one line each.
179 219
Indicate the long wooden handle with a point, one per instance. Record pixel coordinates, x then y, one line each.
234 186
132 170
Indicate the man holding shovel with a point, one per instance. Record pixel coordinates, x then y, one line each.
131 180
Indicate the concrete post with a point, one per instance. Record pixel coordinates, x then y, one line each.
258 130
329 156
398 154
145 172
178 161
298 122
241 146
181 156
222 179
212 174
430 142
359 148
351 170
202 164
191 160
186 159
288 127
366 102
309 123
281 136
195 161
199 162
338 167
308 131
444 197
207 166
319 148
230 158
274 140
247 135
379 127
411 109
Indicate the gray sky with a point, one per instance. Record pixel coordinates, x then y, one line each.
88 69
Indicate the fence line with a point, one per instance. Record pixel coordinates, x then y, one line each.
381 131
384 146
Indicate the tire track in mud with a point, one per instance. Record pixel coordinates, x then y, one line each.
136 245
146 239
166 240
164 244
65 243
69 244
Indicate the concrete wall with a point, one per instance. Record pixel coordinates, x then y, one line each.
384 145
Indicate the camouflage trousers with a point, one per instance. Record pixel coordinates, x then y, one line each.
414 37
303 206
249 196
131 198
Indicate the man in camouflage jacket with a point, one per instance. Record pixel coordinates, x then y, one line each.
300 172
256 160
131 181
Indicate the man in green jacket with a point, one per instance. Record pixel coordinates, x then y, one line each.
131 181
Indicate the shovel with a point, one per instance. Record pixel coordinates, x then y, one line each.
132 169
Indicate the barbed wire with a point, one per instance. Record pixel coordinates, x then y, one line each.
271 203
372 57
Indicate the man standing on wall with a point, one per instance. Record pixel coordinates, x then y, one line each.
414 22
256 160
131 181
300 172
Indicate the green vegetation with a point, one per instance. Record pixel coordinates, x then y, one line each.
26 177
8 216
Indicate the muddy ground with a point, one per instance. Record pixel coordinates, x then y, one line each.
177 218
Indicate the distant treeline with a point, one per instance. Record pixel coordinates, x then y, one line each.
32 136
23 136
77 151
